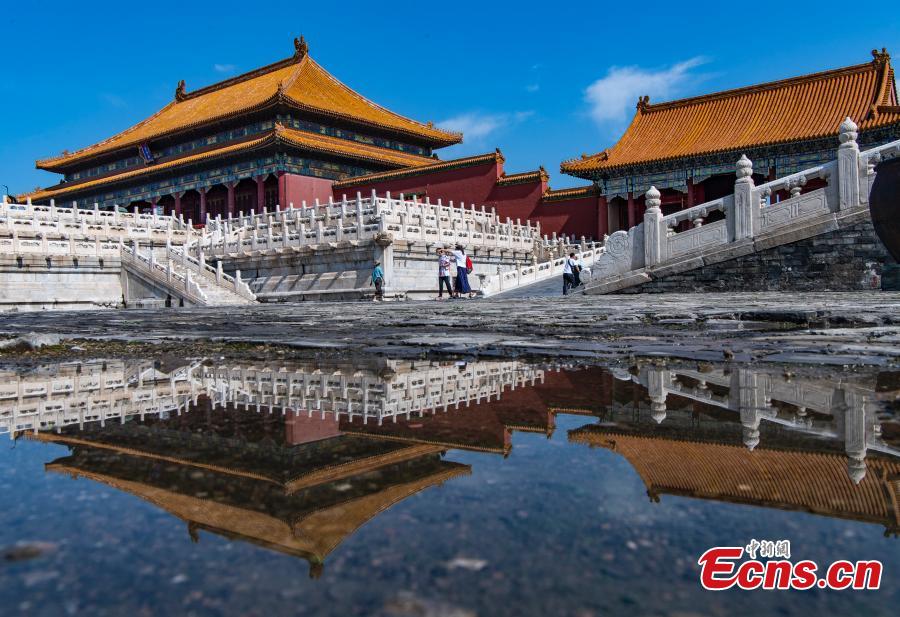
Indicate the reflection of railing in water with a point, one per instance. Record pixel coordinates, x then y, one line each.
99 392
411 390
853 419
77 393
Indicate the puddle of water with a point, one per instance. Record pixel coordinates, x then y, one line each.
436 488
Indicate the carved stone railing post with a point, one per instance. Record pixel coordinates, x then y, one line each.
746 208
848 165
658 382
653 231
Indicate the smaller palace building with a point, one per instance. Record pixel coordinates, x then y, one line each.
282 133
688 148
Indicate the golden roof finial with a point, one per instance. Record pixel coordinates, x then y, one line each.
300 47
180 93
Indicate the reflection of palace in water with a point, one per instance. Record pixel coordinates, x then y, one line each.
757 438
286 458
296 457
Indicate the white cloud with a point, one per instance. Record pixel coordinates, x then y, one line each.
114 100
476 126
613 97
224 68
532 87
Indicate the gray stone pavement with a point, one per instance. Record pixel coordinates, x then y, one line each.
819 328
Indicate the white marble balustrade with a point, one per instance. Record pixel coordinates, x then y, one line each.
364 219
74 216
102 392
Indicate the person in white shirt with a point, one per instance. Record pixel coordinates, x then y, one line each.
569 269
462 272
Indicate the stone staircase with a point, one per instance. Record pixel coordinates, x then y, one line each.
325 251
751 221
183 277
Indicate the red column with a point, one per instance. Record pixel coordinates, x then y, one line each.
602 217
154 201
229 187
260 193
202 205
691 202
632 211
177 204
282 190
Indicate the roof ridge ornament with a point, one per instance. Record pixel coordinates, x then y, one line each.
301 48
180 93
880 58
643 102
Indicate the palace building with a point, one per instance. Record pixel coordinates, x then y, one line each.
688 148
279 134
290 132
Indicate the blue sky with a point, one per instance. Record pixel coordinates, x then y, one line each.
543 81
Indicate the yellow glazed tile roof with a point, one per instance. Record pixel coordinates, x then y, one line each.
299 139
815 482
73 187
578 192
313 536
432 167
538 175
351 149
796 109
297 82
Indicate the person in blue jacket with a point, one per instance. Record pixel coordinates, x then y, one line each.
378 281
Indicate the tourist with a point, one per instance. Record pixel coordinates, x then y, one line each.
576 271
445 262
462 271
378 281
569 273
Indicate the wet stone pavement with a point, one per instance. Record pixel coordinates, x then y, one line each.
825 328
515 457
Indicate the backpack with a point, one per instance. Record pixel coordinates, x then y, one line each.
468 265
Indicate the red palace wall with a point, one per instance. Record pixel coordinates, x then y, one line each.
296 189
484 184
301 428
470 185
569 217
